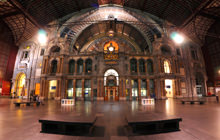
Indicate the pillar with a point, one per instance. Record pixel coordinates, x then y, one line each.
58 88
58 66
61 65
75 71
102 88
74 88
91 90
83 88
130 91
84 67
65 92
120 88
139 89
124 88
162 87
157 88
42 87
148 87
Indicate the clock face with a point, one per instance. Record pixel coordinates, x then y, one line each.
111 49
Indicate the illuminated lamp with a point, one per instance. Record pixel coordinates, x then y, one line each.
111 33
177 37
42 36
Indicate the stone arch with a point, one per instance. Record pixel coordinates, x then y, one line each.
20 84
111 72
121 14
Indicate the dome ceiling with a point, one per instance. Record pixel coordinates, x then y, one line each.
24 17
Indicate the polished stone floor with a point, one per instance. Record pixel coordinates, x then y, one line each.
200 122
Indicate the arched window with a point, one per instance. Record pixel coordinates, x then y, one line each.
166 67
71 66
142 66
88 66
54 66
133 65
150 66
80 66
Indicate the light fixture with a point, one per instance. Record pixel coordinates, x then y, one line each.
111 49
177 37
42 37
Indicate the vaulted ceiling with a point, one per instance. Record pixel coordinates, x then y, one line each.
24 17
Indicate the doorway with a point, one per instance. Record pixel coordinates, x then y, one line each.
52 89
111 93
111 83
20 85
169 88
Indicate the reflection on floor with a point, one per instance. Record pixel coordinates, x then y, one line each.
199 121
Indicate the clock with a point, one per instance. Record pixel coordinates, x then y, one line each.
111 48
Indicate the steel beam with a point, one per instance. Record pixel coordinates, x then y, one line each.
196 12
10 14
26 14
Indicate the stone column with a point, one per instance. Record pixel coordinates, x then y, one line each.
130 91
162 87
91 90
84 67
74 88
42 87
98 88
75 67
124 88
58 89
46 63
66 90
138 67
58 66
46 89
157 88
102 89
139 89
83 89
120 88
63 88
61 65
148 87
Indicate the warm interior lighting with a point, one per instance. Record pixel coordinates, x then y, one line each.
42 37
177 38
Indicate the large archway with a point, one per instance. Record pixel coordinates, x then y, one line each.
111 83
20 85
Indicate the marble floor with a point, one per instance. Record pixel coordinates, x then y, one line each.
200 122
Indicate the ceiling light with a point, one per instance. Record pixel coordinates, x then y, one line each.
42 37
177 37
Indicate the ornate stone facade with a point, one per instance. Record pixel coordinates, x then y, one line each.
118 63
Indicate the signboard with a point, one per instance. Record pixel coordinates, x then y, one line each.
147 102
67 102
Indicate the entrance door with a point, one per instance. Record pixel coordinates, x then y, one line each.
111 94
169 88
52 89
